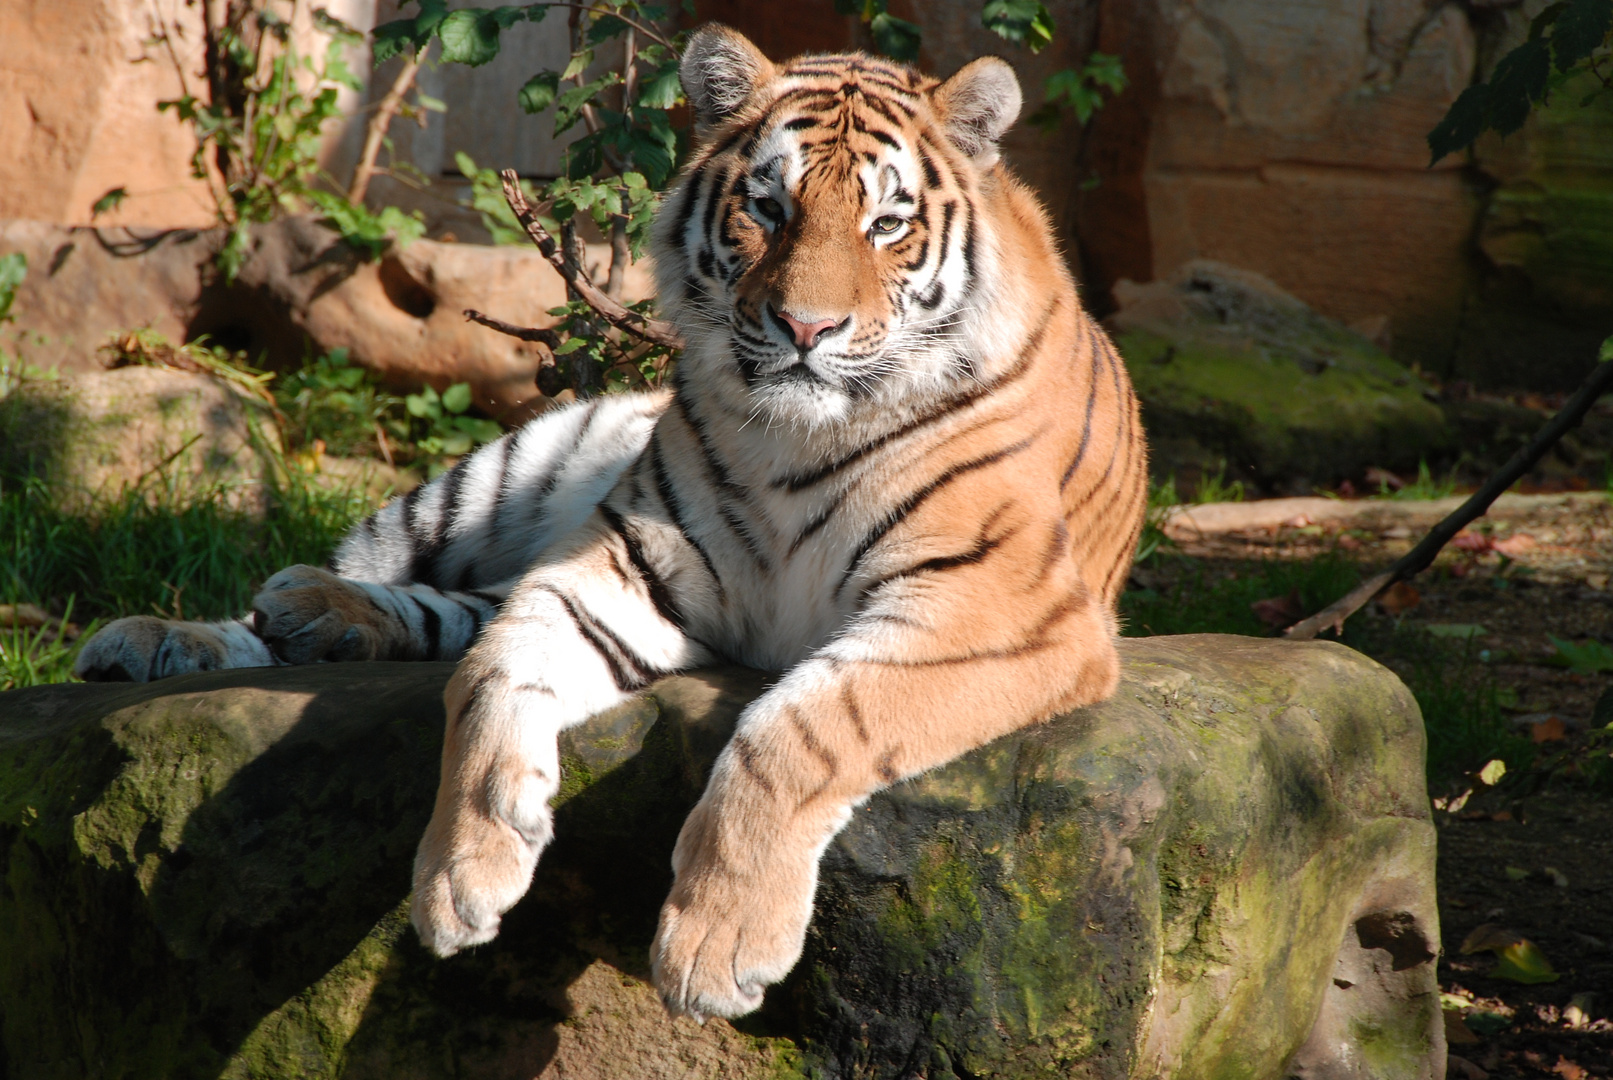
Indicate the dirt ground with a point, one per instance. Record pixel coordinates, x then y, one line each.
1532 859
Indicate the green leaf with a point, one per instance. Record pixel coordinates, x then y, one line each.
1605 354
539 92
1589 658
1024 22
13 269
896 38
426 24
1580 31
467 166
471 35
1462 124
393 39
570 345
579 64
1519 81
568 106
108 202
661 89
429 103
604 28
456 399
1523 962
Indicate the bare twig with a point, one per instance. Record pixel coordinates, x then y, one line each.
656 330
375 132
1420 557
550 338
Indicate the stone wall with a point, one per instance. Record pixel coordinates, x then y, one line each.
1281 136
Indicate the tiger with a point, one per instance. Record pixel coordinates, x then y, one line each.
897 463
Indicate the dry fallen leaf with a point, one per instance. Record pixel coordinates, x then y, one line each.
1459 1068
1551 729
1568 1070
1488 936
1578 1013
1399 597
1514 545
1457 1033
1477 543
1279 611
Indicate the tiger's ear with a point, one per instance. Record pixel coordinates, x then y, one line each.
978 105
719 72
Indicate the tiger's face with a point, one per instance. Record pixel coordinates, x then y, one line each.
825 251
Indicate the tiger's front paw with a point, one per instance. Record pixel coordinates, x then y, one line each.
142 648
726 935
305 615
491 822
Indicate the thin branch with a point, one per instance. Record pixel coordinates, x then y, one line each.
375 131
550 338
1420 557
656 330
640 27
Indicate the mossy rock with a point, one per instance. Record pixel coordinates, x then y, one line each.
173 435
1233 371
1224 871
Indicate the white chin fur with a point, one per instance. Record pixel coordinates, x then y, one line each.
808 405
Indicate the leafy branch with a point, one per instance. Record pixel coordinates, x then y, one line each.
259 131
1026 23
1565 40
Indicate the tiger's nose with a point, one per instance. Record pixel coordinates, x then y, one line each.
806 334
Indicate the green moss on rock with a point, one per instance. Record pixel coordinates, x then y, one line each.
208 877
1232 369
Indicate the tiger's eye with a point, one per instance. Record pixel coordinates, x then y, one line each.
770 209
886 225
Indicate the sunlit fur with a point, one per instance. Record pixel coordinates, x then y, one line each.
916 497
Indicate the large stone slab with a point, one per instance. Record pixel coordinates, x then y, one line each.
1226 870
1232 369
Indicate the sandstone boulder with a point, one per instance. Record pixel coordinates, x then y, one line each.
300 288
1231 369
1225 870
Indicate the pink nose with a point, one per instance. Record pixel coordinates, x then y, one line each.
807 334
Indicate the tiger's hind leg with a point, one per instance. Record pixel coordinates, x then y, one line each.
303 615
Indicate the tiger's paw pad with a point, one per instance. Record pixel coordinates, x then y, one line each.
714 957
305 615
143 648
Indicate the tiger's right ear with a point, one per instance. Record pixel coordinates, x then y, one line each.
719 72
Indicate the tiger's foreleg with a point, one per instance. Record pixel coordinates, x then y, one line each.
859 716
577 636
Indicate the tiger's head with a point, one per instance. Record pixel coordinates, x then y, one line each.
825 252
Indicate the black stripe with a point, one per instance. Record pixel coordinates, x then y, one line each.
423 565
917 498
660 596
854 711
674 509
746 753
431 623
626 680
720 476
1086 427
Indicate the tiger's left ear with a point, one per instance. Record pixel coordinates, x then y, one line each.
719 71
978 105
